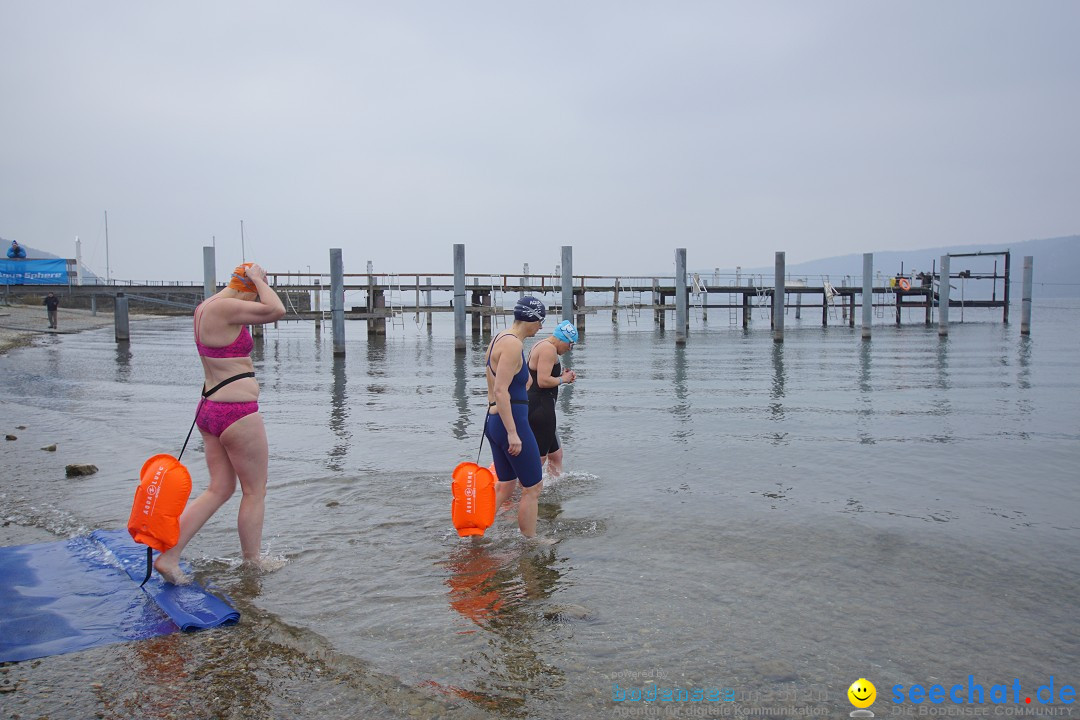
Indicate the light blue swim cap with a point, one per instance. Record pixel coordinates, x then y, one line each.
566 332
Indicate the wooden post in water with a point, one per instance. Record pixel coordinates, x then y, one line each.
658 303
579 306
337 301
681 297
779 289
867 295
459 297
485 309
943 298
1025 297
209 271
120 318
568 282
427 299
615 304
474 304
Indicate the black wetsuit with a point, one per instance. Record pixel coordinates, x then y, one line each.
542 412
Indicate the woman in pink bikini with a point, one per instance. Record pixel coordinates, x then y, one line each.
228 416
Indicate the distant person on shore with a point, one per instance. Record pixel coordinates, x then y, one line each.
547 375
51 304
16 251
513 447
231 425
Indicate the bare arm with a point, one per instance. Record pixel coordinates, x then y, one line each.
267 309
546 356
507 366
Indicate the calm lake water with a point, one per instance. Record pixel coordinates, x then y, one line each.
777 519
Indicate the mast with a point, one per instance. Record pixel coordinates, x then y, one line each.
108 277
243 258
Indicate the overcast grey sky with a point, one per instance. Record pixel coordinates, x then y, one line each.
624 128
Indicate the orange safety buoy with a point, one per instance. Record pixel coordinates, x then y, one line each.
473 508
905 284
164 489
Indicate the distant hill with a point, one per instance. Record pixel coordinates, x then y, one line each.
1056 266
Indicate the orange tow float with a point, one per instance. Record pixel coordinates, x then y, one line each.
473 507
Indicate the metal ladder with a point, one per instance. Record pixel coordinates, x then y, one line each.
395 301
698 290
498 319
830 294
632 308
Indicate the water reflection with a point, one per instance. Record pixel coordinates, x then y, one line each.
942 363
461 397
339 414
682 409
501 590
376 364
123 362
866 396
779 380
1023 378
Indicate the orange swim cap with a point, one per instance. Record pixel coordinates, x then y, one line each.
240 281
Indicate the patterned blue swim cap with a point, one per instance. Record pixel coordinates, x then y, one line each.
566 332
529 309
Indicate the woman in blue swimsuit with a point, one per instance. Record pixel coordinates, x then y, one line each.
513 446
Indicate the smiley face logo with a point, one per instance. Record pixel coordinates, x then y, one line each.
862 693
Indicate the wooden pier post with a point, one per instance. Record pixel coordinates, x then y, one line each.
337 301
779 290
681 297
579 308
474 305
943 298
615 305
746 310
1025 297
427 299
485 313
658 304
459 297
377 326
867 295
120 318
568 282
209 271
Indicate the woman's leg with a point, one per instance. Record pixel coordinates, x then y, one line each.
248 452
554 462
198 511
527 509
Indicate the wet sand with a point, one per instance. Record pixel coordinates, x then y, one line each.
261 668
21 324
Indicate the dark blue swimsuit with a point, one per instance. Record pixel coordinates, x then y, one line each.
525 466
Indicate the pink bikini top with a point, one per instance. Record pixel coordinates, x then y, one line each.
240 347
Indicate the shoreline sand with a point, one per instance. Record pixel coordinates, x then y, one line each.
20 325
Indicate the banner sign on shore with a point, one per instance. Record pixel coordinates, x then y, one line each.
33 272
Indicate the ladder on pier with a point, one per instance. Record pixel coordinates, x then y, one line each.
632 306
498 290
395 302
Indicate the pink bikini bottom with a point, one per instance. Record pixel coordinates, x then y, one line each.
215 417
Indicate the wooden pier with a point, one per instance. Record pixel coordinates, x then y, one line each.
486 299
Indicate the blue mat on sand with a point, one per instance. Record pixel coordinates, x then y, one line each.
66 596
